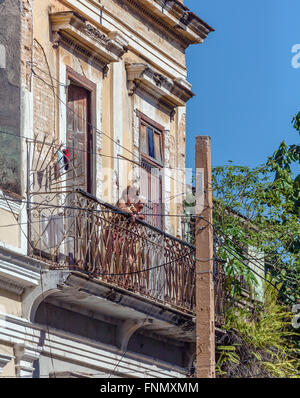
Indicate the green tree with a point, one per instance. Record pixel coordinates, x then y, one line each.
260 207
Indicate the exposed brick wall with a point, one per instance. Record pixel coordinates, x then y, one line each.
43 96
26 41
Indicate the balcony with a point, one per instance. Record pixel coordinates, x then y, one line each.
96 238
73 230
99 239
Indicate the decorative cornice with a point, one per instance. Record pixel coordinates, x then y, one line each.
7 284
4 360
70 28
18 272
172 93
175 17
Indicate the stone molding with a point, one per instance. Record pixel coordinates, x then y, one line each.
25 356
69 28
18 272
4 360
171 93
27 337
8 285
175 17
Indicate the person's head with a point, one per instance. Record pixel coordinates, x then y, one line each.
131 194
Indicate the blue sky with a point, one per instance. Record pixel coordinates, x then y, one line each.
247 90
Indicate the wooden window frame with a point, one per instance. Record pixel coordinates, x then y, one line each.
149 159
91 87
146 120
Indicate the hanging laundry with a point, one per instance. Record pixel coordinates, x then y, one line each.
60 158
66 158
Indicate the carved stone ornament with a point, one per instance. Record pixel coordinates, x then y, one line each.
172 93
175 17
71 29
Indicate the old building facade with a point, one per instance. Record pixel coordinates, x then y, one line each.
93 105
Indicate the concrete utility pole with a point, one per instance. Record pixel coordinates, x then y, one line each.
205 311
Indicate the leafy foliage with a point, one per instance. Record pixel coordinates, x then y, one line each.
260 207
259 343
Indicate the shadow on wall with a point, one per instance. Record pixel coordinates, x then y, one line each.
10 167
10 95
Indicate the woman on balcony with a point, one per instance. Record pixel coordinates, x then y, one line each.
131 202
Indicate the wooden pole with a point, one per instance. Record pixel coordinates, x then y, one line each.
205 312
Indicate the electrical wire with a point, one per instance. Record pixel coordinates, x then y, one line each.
119 157
114 211
33 65
145 320
90 124
77 208
258 263
216 230
252 257
65 85
260 276
146 270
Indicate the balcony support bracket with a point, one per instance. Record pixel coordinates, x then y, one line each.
127 329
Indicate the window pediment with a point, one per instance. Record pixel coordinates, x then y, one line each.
72 29
172 93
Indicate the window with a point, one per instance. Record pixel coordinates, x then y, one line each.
78 137
151 141
81 111
151 149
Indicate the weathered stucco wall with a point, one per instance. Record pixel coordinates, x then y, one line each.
9 369
10 230
10 42
10 303
142 27
116 109
35 45
106 333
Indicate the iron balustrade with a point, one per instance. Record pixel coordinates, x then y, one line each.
89 235
71 229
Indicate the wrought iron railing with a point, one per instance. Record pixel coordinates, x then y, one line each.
74 230
89 235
